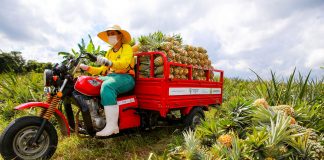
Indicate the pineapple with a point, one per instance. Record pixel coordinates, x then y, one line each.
171 54
190 54
225 140
158 61
200 49
201 73
177 57
201 56
194 61
145 59
183 60
177 76
300 129
191 48
186 71
176 71
183 52
288 110
183 77
144 67
158 70
261 103
317 150
189 60
166 46
171 70
181 71
292 120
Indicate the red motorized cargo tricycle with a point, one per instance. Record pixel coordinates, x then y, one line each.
153 99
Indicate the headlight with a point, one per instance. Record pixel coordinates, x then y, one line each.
48 77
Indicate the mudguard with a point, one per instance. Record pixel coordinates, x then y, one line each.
62 121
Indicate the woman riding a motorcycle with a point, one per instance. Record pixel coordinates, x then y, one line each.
118 74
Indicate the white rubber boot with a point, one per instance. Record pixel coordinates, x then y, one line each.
112 114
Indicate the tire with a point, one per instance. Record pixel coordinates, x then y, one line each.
13 139
194 118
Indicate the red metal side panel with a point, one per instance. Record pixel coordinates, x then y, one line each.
194 93
151 95
127 116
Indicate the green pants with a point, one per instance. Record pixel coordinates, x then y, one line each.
113 85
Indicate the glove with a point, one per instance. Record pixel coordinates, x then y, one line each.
104 61
84 67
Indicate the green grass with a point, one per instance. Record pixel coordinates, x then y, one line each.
304 94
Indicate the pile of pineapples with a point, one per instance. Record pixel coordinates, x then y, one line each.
176 52
245 130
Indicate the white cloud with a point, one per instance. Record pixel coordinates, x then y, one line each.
238 35
315 59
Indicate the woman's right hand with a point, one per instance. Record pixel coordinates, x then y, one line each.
84 67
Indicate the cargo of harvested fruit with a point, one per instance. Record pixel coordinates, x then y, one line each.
175 52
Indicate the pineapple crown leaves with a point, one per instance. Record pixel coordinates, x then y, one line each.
279 130
301 146
257 138
192 147
209 129
262 116
191 142
152 41
177 37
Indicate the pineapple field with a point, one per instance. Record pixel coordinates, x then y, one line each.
271 119
287 123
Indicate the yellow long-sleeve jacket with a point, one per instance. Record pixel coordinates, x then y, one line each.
123 62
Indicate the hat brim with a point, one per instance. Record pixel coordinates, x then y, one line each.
126 36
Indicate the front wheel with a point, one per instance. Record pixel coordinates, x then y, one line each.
15 140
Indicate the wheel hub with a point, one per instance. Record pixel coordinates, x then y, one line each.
196 120
24 148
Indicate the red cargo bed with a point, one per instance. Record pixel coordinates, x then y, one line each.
165 94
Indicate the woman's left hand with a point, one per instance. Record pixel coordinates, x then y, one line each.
104 61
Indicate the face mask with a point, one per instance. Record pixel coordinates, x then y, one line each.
112 40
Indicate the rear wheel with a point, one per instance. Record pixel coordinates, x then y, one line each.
194 118
15 140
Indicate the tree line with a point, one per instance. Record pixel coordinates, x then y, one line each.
14 62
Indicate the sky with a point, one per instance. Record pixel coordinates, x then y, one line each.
239 35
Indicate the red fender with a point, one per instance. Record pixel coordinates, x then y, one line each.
64 125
